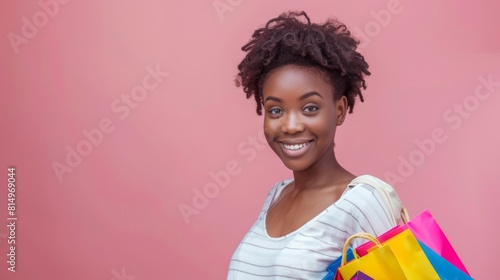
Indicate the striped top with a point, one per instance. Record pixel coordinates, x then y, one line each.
306 252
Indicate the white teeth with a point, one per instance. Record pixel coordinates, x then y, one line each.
295 146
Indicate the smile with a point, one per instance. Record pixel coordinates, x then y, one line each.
295 147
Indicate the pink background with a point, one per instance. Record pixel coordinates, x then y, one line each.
116 214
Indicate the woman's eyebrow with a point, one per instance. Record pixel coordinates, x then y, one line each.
306 95
272 98
312 93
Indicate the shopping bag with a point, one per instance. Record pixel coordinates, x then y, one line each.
411 256
380 263
401 257
361 276
427 230
332 268
362 249
330 275
444 268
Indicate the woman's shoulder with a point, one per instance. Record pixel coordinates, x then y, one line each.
277 188
280 185
283 182
360 191
273 193
368 189
372 184
368 180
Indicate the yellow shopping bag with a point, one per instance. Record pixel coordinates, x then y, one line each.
400 257
381 263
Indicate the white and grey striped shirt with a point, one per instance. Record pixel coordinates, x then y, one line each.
306 252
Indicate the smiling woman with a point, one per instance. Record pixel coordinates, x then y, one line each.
306 77
301 115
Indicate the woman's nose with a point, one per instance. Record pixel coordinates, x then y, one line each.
292 124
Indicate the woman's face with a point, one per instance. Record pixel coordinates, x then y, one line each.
301 116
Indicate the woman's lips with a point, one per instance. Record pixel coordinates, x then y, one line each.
295 149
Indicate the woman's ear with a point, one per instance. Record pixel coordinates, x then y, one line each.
341 108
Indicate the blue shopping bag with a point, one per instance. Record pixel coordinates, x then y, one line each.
443 267
332 268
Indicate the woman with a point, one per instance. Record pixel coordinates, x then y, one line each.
306 77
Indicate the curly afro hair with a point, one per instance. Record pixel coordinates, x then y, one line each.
284 40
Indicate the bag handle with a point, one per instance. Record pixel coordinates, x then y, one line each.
352 237
368 180
405 217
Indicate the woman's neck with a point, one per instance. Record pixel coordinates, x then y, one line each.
325 173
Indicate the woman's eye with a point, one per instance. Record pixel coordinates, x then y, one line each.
275 111
310 109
